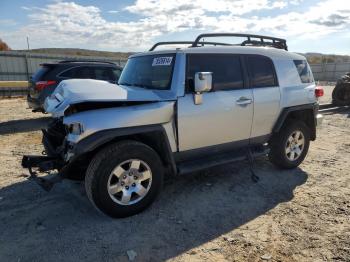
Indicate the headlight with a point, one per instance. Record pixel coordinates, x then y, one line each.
75 128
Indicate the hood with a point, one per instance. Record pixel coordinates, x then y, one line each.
75 91
79 90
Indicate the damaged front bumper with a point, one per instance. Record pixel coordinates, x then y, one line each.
50 160
41 164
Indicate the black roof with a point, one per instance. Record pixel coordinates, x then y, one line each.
80 62
87 61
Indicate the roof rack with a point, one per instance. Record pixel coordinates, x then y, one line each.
259 40
187 43
85 61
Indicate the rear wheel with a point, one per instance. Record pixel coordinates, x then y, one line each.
123 179
289 147
341 94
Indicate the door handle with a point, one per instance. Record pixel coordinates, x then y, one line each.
244 101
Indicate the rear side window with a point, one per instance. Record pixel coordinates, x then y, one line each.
226 69
104 73
304 71
261 71
80 72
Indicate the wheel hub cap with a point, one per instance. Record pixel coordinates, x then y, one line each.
294 145
129 182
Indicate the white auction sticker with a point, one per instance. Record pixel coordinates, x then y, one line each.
162 61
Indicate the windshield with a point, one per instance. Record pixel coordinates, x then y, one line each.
150 71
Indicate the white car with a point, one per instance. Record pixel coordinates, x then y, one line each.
177 111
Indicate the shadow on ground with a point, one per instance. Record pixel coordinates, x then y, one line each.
23 125
63 226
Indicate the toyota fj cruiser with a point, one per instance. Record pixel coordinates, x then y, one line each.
178 111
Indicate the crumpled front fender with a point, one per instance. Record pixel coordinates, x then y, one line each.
120 117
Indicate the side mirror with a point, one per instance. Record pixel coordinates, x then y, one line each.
202 83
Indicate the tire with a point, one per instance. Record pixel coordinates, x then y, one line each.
101 185
279 154
341 94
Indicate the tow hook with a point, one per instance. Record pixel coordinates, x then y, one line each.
43 164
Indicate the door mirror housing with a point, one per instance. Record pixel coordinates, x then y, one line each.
202 83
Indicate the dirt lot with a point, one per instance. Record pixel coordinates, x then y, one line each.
217 215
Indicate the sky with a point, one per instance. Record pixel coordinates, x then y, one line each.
134 25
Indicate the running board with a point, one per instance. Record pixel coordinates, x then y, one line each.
187 167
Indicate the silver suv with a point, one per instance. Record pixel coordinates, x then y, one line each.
178 111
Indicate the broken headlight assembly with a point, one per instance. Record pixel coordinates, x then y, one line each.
75 128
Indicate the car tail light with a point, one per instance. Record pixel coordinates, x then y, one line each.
40 85
319 91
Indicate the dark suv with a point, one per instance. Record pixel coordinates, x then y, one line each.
46 79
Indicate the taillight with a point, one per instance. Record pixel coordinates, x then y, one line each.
319 91
40 85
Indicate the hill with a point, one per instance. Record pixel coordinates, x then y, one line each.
313 58
79 52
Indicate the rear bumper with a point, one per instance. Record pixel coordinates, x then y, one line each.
34 104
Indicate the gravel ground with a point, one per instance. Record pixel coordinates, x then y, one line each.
217 215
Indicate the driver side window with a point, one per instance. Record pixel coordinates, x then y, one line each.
226 69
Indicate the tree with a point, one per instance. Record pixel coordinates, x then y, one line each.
4 46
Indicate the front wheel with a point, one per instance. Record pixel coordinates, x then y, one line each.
123 179
289 147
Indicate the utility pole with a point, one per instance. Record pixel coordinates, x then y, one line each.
28 42
26 60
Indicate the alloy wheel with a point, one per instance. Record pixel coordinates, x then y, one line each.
129 182
295 145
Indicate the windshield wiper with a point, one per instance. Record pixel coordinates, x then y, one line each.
144 86
137 85
125 84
